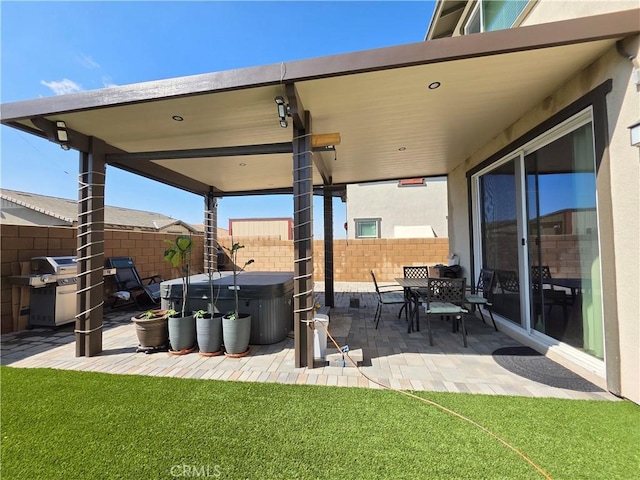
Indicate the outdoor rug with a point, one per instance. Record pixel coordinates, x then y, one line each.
528 363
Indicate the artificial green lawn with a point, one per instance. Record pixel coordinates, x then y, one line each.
76 425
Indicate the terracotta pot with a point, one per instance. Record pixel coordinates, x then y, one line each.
153 331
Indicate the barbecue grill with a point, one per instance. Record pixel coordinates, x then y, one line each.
54 303
53 281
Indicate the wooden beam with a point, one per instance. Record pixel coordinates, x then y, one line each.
325 140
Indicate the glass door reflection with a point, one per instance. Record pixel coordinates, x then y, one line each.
563 246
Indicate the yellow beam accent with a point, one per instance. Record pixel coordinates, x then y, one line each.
325 139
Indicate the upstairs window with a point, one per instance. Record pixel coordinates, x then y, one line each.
501 14
490 15
474 23
368 228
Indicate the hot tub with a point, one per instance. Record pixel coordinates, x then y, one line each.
267 296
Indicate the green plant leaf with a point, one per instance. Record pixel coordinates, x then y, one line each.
184 243
172 257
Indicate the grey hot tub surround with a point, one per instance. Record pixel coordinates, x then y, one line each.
267 296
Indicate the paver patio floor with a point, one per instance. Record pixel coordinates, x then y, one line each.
391 356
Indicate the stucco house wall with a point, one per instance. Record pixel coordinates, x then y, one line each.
618 193
404 211
545 11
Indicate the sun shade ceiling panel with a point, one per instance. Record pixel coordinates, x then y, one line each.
392 125
241 117
240 173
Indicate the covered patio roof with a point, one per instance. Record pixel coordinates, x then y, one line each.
408 111
392 120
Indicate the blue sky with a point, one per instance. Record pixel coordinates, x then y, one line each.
52 48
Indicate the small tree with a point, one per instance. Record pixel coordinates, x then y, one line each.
233 254
179 255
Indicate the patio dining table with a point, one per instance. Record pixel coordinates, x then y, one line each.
573 284
411 287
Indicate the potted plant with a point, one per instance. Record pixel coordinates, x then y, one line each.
152 330
209 323
236 326
182 328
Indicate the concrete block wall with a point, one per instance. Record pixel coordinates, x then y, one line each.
353 259
21 243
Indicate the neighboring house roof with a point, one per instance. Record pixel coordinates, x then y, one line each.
200 228
67 211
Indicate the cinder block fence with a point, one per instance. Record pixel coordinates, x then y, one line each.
353 259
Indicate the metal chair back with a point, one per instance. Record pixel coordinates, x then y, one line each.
416 272
375 283
508 280
446 290
484 286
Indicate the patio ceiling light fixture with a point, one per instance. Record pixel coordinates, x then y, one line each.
62 136
434 85
283 110
177 118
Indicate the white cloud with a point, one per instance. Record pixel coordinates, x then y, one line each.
87 61
107 83
62 87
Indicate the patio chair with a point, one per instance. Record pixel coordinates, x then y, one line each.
546 294
446 296
387 295
508 281
143 291
479 297
414 272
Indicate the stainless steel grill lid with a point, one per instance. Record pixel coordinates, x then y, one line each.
59 266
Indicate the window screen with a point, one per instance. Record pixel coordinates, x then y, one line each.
367 228
501 14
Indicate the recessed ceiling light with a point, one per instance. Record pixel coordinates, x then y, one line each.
434 85
177 118
242 164
402 149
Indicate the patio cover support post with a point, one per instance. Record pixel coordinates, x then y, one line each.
303 244
210 233
90 241
328 247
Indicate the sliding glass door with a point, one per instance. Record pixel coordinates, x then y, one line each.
500 237
563 247
539 231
